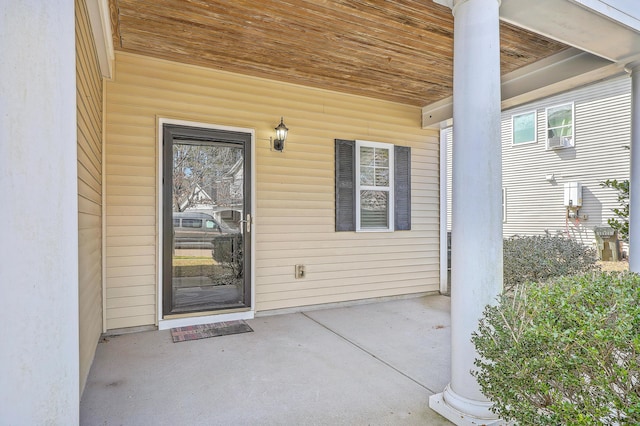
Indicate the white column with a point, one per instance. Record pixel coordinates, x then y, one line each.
634 182
39 379
476 248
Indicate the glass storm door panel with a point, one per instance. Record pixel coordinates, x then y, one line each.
206 220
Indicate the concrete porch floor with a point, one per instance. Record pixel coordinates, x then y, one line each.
369 364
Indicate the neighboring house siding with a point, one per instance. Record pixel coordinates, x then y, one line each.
295 214
89 101
602 130
449 138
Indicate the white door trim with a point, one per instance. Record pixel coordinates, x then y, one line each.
206 318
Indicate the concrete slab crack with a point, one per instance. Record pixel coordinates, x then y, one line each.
346 339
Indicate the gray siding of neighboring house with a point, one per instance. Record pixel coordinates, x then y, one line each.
449 137
602 130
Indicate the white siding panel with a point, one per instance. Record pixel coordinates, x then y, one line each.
294 220
449 139
602 130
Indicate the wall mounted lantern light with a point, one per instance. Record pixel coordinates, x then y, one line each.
281 136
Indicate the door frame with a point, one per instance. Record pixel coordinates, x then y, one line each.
183 320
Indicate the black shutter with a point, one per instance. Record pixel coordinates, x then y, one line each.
345 185
402 188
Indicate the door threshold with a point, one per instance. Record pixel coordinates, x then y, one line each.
184 320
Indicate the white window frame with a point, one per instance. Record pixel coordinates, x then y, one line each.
573 124
389 189
535 128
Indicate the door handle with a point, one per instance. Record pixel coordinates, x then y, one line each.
248 222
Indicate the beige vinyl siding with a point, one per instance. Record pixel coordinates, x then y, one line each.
294 211
601 131
89 101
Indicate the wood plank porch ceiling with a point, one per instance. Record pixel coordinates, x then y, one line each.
397 50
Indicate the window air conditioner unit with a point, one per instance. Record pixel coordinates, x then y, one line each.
558 142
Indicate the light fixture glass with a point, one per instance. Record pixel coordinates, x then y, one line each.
281 136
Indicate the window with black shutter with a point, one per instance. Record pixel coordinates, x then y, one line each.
373 186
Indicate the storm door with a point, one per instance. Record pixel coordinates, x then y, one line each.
206 220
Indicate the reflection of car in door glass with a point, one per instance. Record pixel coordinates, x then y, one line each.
196 230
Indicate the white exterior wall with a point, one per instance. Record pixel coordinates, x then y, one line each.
39 246
602 130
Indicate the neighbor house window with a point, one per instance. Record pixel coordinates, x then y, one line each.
373 186
560 129
524 128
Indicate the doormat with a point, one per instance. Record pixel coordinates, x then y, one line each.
204 331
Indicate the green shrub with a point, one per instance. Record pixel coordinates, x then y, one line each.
227 251
566 352
538 258
621 222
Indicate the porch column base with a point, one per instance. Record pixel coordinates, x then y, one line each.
463 411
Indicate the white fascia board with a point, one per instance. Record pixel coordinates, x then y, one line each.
102 35
558 73
575 23
599 74
437 113
562 66
447 3
561 72
626 12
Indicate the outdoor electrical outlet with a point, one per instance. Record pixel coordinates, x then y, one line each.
300 272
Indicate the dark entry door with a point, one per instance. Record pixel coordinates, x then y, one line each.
206 220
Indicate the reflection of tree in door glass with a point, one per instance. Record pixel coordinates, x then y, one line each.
208 202
207 177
